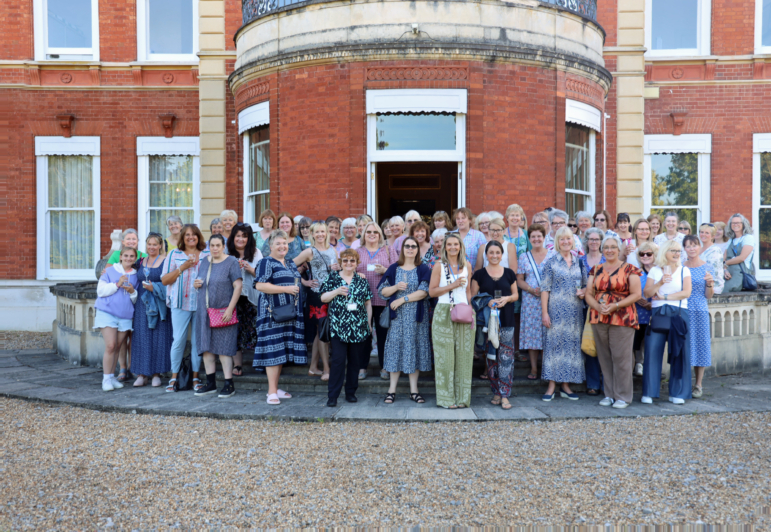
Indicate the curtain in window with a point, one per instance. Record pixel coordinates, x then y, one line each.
258 193
171 189
71 212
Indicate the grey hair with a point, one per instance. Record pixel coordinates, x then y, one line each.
174 218
583 214
615 238
555 213
297 218
494 214
412 213
396 219
593 231
746 229
278 233
438 232
215 221
348 222
127 232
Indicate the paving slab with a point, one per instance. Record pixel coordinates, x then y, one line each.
441 414
498 413
44 392
9 362
15 387
385 414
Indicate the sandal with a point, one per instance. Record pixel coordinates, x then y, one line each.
314 373
239 370
532 376
199 386
323 375
484 376
273 399
122 374
282 394
172 387
506 405
496 402
390 398
417 398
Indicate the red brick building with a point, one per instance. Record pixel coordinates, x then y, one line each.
117 114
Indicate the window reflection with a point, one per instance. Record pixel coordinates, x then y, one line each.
416 131
674 24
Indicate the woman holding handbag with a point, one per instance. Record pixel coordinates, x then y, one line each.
739 252
280 328
219 285
405 286
349 315
669 284
454 326
592 241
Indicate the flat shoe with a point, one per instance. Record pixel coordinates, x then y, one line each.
331 402
546 397
139 382
697 392
157 381
362 375
314 374
566 395
282 394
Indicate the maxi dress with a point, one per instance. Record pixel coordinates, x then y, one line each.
150 348
531 326
562 357
698 318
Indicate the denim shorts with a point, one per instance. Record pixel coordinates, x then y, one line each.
105 319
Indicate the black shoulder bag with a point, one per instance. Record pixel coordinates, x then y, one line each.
661 322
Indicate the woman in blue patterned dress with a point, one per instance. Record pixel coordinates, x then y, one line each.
278 343
702 288
153 336
563 285
405 286
529 270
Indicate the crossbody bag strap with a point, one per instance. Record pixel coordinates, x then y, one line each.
208 274
682 273
535 267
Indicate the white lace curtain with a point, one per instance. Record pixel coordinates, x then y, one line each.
71 212
171 190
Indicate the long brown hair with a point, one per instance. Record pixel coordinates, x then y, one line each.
197 232
418 260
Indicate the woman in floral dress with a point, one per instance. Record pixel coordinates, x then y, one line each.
530 267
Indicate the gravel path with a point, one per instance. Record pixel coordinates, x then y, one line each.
71 468
26 340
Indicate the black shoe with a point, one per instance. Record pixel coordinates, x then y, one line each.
228 390
209 387
351 399
332 402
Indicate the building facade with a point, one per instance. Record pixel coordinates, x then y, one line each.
117 115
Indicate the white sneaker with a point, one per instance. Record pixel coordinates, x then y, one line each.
638 369
606 402
677 400
115 382
620 404
107 385
646 400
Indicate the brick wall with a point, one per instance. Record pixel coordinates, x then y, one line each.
733 27
607 16
118 30
117 117
233 20
16 39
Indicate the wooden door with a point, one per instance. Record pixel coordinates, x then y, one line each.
425 187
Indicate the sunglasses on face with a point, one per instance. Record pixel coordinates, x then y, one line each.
304 227
348 261
646 254
599 219
682 229
410 246
572 226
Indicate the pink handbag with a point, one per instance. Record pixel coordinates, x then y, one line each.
215 314
462 313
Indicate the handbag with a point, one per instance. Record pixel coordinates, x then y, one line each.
385 318
216 314
283 313
185 375
324 329
661 322
460 312
587 338
749 283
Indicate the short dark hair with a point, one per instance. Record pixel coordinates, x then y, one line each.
536 227
251 244
691 238
493 243
197 232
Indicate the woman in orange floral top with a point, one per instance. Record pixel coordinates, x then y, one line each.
612 290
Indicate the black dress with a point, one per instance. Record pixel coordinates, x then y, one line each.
489 285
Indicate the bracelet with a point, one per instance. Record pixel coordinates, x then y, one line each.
710 285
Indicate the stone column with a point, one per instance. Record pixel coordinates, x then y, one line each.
630 81
212 122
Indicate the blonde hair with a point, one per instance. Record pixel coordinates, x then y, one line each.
498 221
564 231
661 258
711 229
721 226
227 213
315 227
461 255
379 232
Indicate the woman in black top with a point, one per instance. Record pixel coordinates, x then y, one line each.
501 284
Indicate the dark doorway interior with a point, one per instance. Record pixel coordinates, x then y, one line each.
425 187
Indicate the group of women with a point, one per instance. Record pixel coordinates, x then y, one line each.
425 296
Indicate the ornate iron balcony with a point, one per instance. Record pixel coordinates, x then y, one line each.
254 9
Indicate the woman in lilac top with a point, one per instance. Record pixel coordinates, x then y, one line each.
472 239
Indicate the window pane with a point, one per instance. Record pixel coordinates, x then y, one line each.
577 135
577 202
765 178
259 167
171 26
171 181
577 158
674 24
72 240
675 179
766 40
256 204
688 215
69 23
69 182
158 218
764 220
416 132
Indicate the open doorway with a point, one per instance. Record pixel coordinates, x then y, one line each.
426 187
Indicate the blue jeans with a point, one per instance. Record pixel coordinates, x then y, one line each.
592 367
679 372
180 320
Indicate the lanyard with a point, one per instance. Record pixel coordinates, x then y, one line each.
371 255
452 273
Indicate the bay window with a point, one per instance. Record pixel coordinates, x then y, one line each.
254 126
582 121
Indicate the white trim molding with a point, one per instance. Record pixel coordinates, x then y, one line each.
583 115
43 52
761 144
143 36
147 146
759 48
703 33
417 101
51 146
677 144
254 116
664 144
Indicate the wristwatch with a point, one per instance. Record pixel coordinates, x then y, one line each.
666 296
406 299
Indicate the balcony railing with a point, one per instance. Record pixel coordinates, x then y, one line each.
254 9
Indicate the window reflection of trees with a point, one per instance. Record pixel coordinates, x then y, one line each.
678 187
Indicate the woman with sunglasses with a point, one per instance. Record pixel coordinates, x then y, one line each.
703 284
407 350
684 227
242 246
645 257
712 254
374 260
594 257
669 284
572 225
303 226
602 222
642 233
153 336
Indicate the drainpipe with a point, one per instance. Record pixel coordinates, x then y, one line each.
605 116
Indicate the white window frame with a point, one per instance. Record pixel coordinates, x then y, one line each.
251 117
40 28
703 33
761 143
416 101
665 144
49 146
143 37
759 48
147 146
590 117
